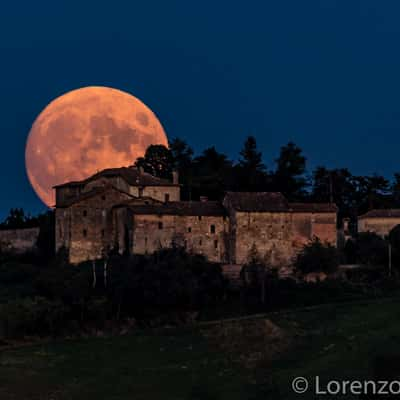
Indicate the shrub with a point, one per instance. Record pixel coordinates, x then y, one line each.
317 257
371 249
16 280
31 316
169 280
394 240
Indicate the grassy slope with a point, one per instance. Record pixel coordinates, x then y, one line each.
333 342
341 343
131 367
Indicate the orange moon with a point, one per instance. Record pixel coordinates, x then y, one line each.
84 131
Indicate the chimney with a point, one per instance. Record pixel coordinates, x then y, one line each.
346 222
203 199
175 177
141 170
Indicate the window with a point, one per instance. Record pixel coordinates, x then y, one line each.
216 244
166 197
140 192
190 229
199 217
160 225
103 197
84 233
102 233
84 213
200 242
212 228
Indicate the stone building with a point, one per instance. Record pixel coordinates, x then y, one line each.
132 211
380 222
84 209
19 240
276 228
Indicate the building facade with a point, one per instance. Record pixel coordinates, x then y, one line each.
380 222
134 212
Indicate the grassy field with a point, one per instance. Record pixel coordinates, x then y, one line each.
334 342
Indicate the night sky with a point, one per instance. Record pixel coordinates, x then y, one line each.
325 74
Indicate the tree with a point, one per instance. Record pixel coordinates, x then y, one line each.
289 174
182 154
250 157
394 240
157 161
182 157
395 189
250 172
370 192
46 239
212 174
335 185
16 219
371 249
317 257
167 281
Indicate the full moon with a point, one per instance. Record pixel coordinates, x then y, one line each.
84 131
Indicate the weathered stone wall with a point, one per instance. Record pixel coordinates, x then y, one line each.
19 240
160 192
278 237
201 235
380 226
66 193
85 228
268 233
324 227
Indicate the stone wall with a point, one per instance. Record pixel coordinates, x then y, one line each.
380 226
19 240
85 228
279 236
160 192
268 233
201 235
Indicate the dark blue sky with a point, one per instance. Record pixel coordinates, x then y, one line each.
323 73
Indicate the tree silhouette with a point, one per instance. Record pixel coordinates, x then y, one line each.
212 174
250 172
182 156
157 161
289 174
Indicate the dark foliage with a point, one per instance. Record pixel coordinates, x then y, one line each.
17 219
317 257
371 249
157 161
167 281
394 240
166 285
289 177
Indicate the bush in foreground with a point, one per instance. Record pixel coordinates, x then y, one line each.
317 257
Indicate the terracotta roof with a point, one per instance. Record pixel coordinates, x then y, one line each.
313 207
131 175
389 213
256 201
195 208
